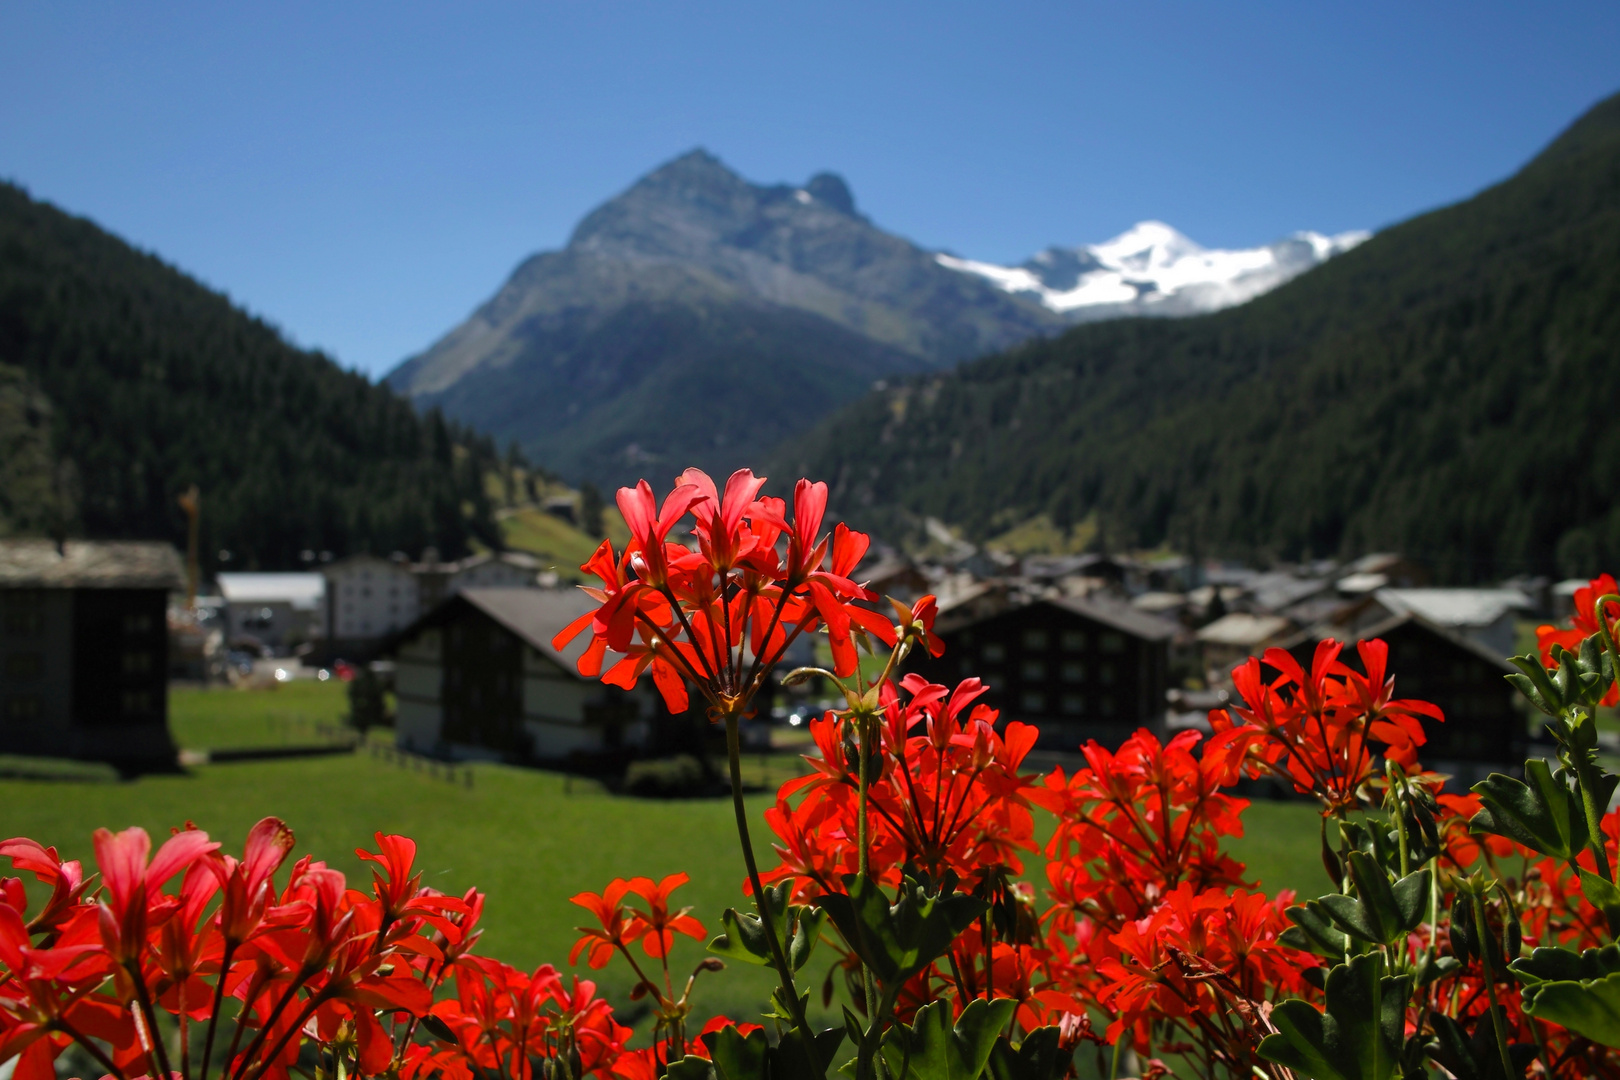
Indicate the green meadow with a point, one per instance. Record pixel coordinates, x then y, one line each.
529 839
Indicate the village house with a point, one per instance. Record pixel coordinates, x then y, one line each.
83 650
1077 669
272 612
477 677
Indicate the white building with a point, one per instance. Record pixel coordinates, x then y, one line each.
277 611
368 598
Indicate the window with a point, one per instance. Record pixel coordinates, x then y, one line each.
1113 643
27 665
1074 705
994 652
137 663
1035 639
1106 673
1032 702
1034 670
137 624
22 709
1074 671
137 702
1074 641
24 622
1106 706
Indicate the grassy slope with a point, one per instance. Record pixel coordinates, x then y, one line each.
528 838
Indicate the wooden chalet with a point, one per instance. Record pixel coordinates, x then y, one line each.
1078 669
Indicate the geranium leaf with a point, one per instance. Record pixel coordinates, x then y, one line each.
1313 931
931 1048
1589 1007
1359 1037
1541 813
739 1057
1551 964
1039 1057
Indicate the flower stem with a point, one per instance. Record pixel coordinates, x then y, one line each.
1490 985
762 899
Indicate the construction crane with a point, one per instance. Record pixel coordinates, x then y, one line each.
191 502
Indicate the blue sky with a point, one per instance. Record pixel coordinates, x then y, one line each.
364 174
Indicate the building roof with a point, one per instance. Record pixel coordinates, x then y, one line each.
533 615
1454 607
1121 617
303 591
1395 622
1242 630
90 564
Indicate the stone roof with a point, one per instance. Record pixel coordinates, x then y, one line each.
90 564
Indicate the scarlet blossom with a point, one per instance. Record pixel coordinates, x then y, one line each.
658 924
617 923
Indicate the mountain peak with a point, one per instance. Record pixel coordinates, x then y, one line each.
829 188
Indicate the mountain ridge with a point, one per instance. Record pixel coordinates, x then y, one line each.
1443 389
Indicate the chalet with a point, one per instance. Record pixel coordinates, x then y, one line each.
1078 669
1484 730
83 650
477 677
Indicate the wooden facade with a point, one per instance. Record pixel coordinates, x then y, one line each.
1076 669
477 678
84 651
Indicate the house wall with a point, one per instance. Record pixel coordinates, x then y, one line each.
493 574
1073 677
120 675
369 598
36 671
418 691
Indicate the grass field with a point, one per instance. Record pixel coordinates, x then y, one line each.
218 718
530 839
561 546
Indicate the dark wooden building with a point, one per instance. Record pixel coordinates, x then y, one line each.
1077 669
477 677
1484 731
84 650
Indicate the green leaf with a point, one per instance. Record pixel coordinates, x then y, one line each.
1039 1057
1589 1007
795 1059
1379 913
932 1049
1604 896
1313 931
740 1058
1552 964
1474 1057
1360 1035
1542 814
745 938
691 1068
899 941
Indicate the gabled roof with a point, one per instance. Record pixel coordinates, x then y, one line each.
533 615
90 564
1455 607
1121 617
1395 622
1243 630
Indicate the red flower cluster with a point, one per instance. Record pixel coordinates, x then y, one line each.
1323 730
722 615
1145 924
948 794
314 961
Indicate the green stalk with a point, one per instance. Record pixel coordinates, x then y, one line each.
1490 985
761 899
867 730
1585 775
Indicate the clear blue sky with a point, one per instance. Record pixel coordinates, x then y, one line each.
364 174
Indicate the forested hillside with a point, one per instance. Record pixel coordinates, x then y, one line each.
148 382
1449 389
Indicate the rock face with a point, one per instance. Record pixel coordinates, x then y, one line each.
698 294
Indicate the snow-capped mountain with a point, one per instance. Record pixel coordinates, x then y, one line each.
1151 269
